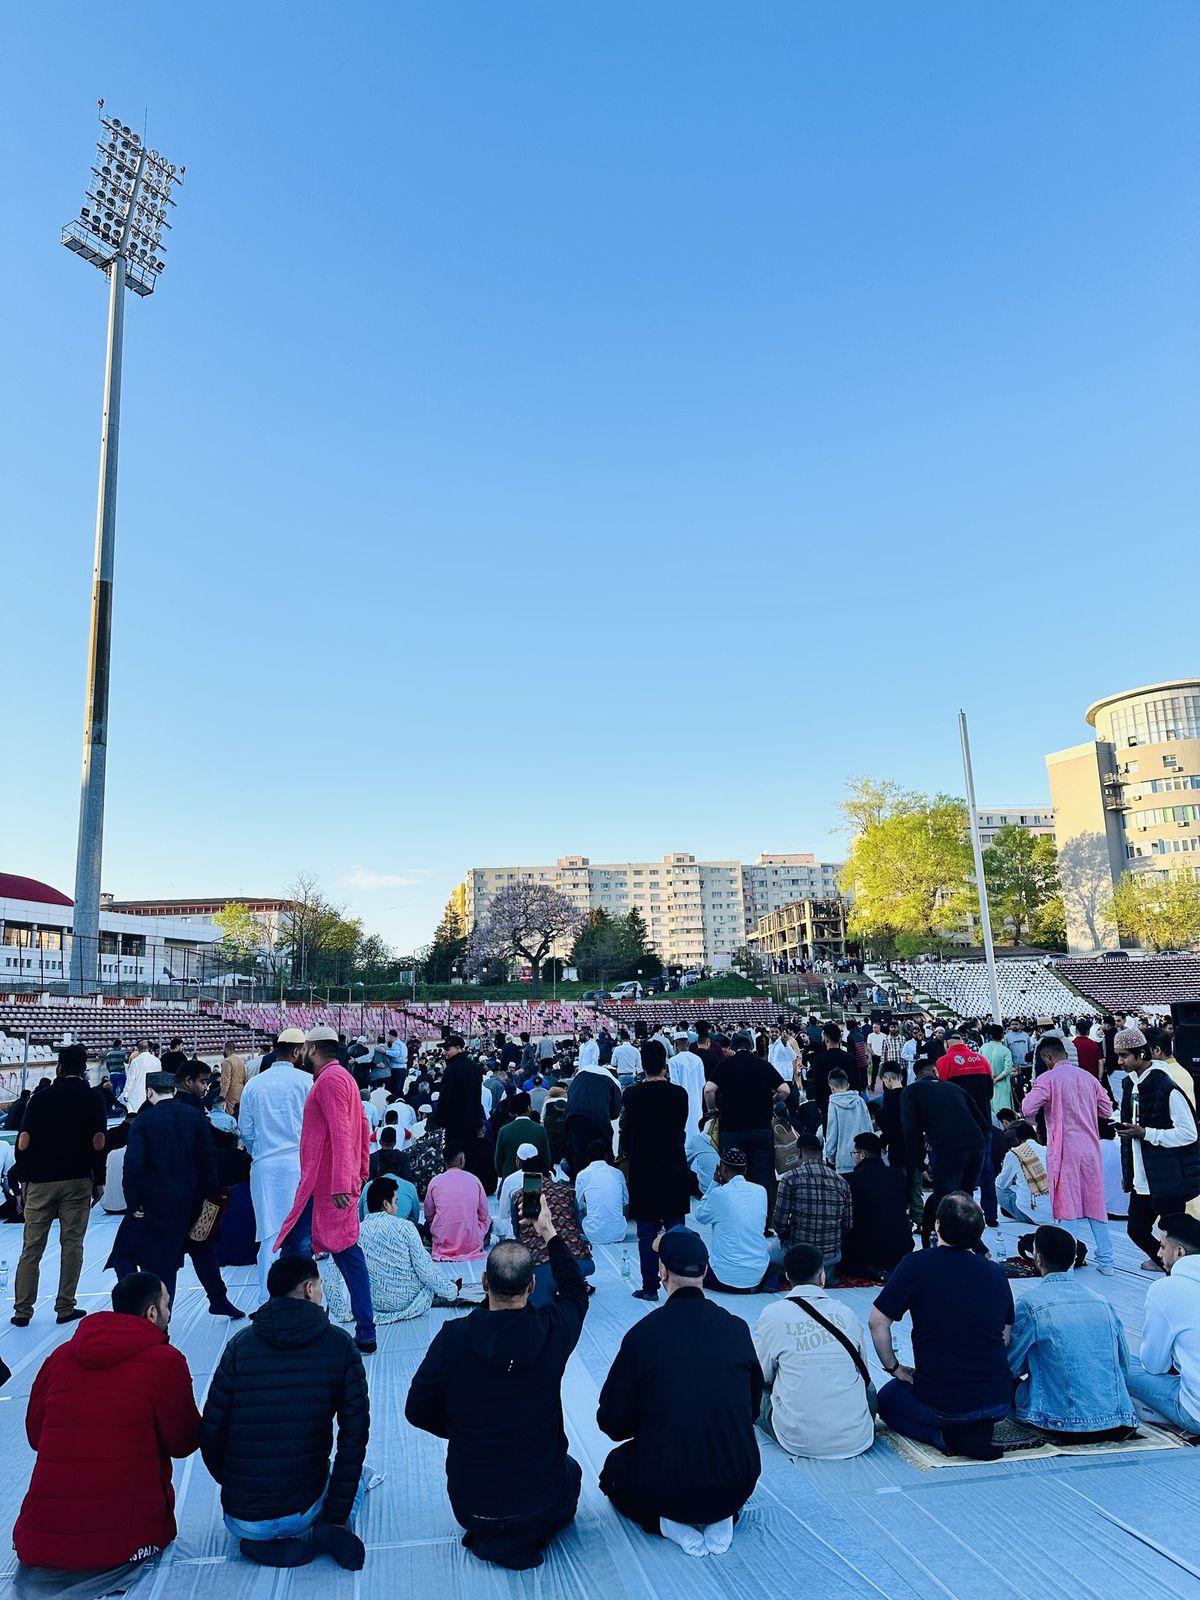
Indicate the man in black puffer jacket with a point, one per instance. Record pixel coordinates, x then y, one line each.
267 1428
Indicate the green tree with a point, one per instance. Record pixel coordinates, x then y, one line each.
1048 929
1021 873
250 940
449 948
909 863
1162 912
321 942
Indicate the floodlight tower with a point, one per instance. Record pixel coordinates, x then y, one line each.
120 230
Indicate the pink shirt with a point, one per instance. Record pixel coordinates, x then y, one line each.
456 1210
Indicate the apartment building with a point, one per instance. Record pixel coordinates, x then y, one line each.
697 912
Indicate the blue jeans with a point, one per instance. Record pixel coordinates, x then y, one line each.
1101 1238
299 1522
1007 1196
351 1264
904 1413
1160 1393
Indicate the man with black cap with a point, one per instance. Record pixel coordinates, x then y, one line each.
684 1392
192 1084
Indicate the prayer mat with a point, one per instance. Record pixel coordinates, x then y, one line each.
856 1283
1020 1443
1018 1267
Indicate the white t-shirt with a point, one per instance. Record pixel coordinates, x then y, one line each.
818 1399
602 1194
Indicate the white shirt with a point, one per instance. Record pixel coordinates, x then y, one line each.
1171 1330
736 1214
379 1098
782 1057
508 1189
601 1194
687 1070
1012 1176
134 1094
818 1400
1182 1130
589 1054
875 1044
272 1110
908 1055
627 1059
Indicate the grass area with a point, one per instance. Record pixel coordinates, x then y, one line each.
727 987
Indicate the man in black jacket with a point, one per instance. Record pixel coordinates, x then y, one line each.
267 1428
936 1111
193 1081
684 1392
831 1058
490 1384
880 1235
60 1160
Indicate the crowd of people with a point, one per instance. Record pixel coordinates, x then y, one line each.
368 1176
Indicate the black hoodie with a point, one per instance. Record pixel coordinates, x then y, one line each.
267 1429
490 1384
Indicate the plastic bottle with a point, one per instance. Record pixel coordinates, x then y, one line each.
3 1275
626 1268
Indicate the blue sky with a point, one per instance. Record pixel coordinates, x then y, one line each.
593 427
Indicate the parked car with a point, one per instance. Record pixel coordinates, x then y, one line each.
628 991
688 979
596 996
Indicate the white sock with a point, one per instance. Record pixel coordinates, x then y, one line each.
689 1540
718 1536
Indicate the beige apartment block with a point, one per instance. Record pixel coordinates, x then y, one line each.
1128 801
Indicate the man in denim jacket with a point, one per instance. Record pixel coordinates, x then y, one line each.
1068 1350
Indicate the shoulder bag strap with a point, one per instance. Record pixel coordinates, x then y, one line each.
837 1333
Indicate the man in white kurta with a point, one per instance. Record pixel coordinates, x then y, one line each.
134 1092
687 1070
269 1121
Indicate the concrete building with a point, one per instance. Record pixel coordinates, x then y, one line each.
1034 819
1127 801
151 948
801 930
696 912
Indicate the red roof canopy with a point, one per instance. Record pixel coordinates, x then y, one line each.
14 887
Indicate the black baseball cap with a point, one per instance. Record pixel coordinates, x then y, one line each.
683 1252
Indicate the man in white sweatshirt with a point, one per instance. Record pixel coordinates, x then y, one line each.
1165 1376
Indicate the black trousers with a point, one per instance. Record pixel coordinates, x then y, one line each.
518 1542
615 1482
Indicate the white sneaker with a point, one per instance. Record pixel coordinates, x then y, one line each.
718 1536
689 1539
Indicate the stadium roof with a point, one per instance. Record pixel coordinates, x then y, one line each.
15 887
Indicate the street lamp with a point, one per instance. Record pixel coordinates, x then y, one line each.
119 229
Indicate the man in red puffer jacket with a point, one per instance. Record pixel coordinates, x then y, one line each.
108 1411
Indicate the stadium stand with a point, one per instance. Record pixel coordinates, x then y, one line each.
96 1027
1138 985
1027 988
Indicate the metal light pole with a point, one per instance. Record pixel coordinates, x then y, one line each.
120 231
977 845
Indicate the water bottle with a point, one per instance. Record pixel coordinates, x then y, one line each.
626 1268
3 1275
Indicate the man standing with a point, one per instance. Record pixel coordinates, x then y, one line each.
830 1058
626 1059
267 1429
335 1157
490 1384
233 1078
109 1410
1165 1376
939 1113
746 1089
653 1136
783 1052
593 1105
134 1093
876 1040
973 1075
684 1393
60 1160
1074 1102
686 1069
192 1084
1160 1155
271 1117
962 1313
999 1059
589 1050
397 1055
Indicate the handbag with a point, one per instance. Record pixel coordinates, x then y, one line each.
864 1371
787 1147
211 1211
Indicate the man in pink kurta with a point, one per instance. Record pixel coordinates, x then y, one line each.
1074 1101
456 1210
335 1158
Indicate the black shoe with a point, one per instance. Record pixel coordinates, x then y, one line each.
20 1322
367 1346
278 1552
645 1294
346 1548
228 1309
70 1316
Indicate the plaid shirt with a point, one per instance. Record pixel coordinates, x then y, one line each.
892 1046
813 1207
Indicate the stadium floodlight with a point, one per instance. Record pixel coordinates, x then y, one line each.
120 229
